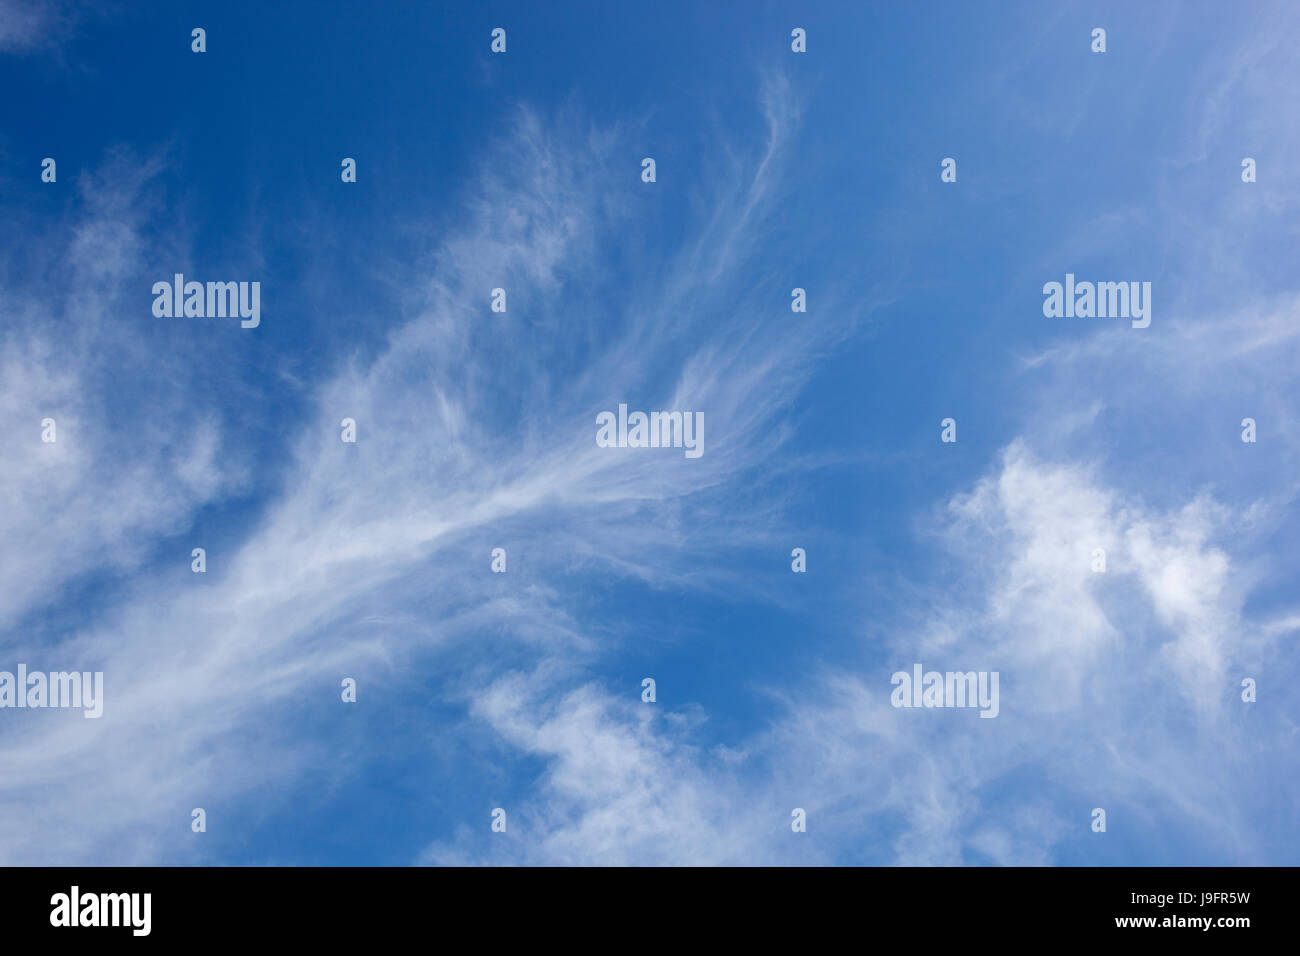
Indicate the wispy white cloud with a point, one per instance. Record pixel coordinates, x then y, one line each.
466 440
129 465
1119 689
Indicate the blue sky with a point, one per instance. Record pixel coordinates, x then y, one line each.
775 170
